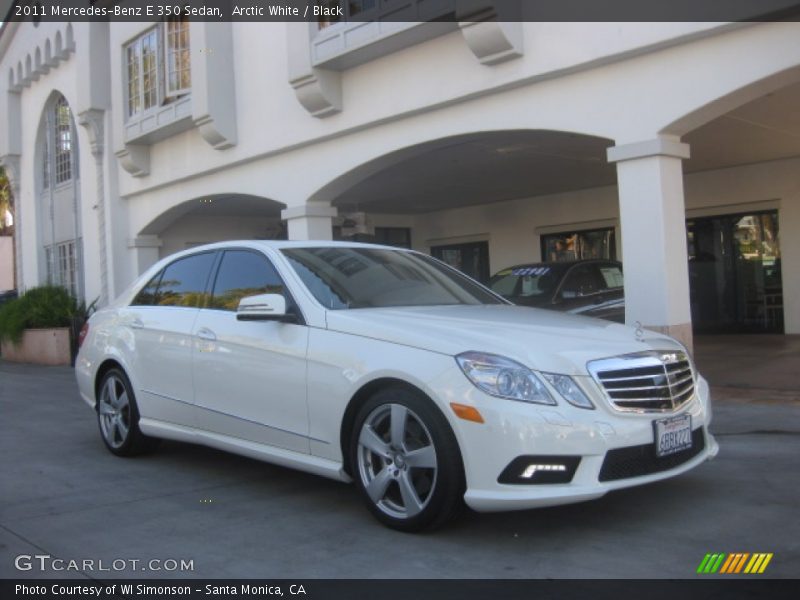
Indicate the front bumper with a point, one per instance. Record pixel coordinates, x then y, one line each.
585 487
514 429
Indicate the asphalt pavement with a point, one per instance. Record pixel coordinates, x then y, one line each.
63 495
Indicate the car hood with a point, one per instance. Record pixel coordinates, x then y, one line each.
541 339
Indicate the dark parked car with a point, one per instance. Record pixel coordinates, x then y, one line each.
586 287
7 296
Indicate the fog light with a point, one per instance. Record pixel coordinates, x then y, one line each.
531 470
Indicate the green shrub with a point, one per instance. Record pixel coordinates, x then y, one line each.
42 307
12 321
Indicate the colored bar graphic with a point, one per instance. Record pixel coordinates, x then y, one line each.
732 560
757 558
735 562
710 564
703 563
717 564
741 562
765 563
729 564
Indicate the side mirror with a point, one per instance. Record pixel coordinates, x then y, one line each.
263 307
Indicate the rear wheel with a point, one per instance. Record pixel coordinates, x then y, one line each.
118 416
406 461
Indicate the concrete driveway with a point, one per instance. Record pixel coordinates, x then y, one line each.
62 494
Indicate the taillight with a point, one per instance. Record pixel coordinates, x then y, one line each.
83 333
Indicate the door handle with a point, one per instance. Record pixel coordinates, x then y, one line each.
204 333
136 323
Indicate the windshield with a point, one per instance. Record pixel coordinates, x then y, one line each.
526 281
341 277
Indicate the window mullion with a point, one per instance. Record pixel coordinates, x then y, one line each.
140 56
165 58
140 78
136 87
161 65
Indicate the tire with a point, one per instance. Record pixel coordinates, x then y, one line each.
118 416
406 461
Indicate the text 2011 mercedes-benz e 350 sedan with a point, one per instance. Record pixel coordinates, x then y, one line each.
389 368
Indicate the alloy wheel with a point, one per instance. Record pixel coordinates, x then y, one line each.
115 412
397 461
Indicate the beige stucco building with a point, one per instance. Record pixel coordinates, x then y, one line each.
674 147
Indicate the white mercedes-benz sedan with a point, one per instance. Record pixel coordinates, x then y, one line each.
386 367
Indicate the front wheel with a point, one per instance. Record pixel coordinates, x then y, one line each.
406 461
118 416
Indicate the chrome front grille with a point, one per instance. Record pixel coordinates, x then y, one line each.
654 381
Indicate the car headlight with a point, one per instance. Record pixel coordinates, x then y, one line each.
571 392
503 377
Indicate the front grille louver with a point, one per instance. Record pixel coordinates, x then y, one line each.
646 381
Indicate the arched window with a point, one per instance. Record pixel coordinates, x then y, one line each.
59 198
58 155
62 122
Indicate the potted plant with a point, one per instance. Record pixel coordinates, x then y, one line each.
41 326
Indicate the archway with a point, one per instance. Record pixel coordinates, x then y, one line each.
743 250
215 218
474 199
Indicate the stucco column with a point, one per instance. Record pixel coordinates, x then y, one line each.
93 121
145 251
309 221
653 219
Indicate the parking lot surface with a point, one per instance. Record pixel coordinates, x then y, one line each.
62 494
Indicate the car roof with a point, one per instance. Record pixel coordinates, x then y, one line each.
278 245
562 263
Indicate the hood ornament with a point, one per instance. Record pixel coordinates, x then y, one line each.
639 333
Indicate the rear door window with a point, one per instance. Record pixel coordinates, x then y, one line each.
147 295
184 281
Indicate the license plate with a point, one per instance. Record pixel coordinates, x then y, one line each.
673 434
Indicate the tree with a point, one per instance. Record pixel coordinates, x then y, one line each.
6 203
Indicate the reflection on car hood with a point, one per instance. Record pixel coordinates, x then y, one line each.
541 339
